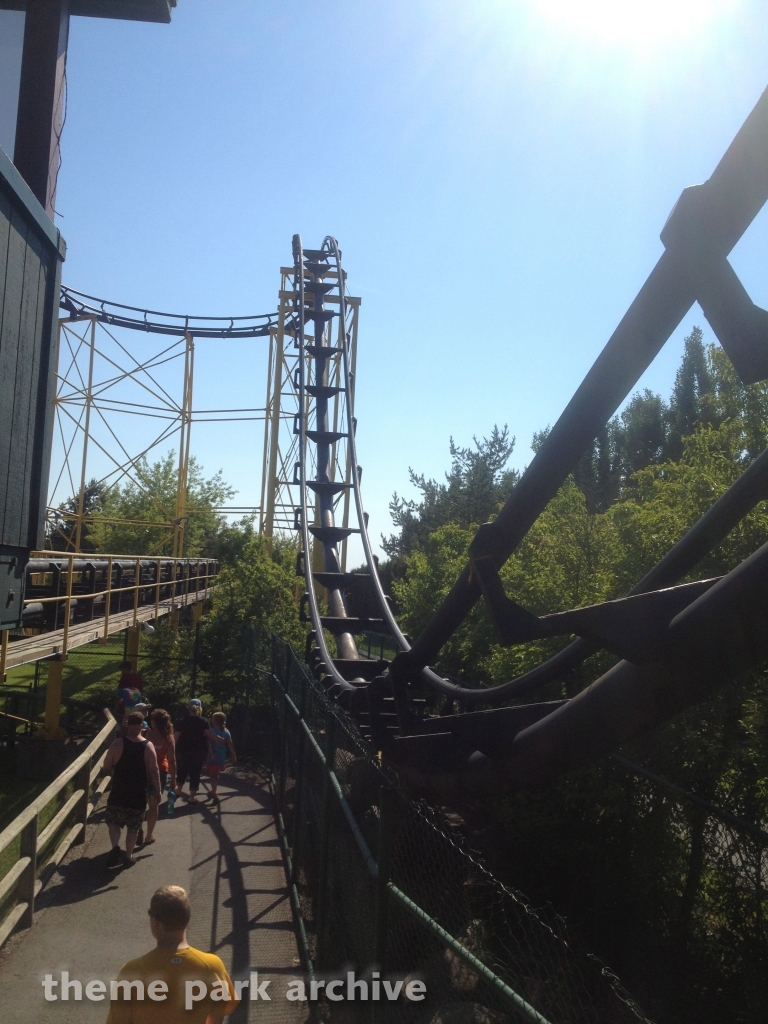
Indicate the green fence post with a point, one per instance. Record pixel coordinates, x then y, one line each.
381 909
288 664
274 690
298 784
274 733
321 920
287 668
283 754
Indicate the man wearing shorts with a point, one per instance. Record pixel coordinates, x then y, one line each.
191 748
173 963
133 764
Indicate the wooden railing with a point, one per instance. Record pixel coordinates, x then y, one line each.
26 865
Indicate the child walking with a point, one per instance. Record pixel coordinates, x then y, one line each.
219 742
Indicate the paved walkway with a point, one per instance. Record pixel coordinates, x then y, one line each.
92 919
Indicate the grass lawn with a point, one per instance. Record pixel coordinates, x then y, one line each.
89 672
15 793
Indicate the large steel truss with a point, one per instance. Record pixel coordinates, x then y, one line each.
102 386
281 491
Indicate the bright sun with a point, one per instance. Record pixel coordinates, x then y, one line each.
636 24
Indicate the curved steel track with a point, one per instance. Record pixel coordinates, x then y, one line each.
115 314
676 641
319 279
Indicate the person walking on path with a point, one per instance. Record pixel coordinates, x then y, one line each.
219 743
160 735
176 969
129 688
128 694
133 764
191 749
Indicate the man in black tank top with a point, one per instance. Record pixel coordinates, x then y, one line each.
133 764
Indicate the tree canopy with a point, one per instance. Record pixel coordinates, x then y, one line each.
137 516
653 470
475 488
675 902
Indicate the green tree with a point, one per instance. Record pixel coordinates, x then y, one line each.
254 598
62 533
693 386
125 521
566 560
476 486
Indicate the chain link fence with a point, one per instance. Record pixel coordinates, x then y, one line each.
701 872
384 886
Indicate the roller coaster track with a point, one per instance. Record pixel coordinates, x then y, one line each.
114 314
676 641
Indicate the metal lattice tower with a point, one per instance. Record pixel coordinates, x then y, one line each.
280 495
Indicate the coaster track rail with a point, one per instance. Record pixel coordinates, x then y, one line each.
86 307
677 641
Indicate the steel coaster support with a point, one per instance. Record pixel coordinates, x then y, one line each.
185 429
270 485
325 376
662 627
86 433
701 231
94 364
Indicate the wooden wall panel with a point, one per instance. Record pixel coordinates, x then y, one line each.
31 252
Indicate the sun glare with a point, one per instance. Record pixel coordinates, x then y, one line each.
636 24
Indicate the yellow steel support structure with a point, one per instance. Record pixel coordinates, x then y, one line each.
85 426
273 410
184 438
280 488
86 434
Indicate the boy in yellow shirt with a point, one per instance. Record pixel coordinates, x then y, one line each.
174 983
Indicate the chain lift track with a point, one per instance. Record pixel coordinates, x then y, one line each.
677 641
320 280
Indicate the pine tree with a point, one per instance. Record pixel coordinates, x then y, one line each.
687 406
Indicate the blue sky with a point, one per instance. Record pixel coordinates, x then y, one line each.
497 173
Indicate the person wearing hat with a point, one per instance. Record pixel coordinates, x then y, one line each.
191 749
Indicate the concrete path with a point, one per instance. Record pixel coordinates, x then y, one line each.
92 919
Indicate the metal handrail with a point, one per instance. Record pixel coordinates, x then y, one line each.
23 878
200 571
